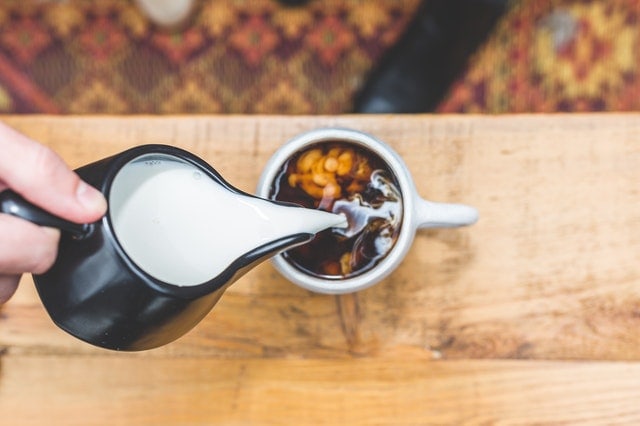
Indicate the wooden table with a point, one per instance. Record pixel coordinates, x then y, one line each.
531 316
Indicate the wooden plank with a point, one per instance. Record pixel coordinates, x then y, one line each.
191 391
551 271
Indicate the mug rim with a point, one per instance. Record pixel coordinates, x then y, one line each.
407 189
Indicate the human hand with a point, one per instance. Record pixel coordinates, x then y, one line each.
41 177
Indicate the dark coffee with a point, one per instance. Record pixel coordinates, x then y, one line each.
342 177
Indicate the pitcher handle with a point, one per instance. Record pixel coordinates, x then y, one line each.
444 215
14 204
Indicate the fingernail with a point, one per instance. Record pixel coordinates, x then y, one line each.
91 198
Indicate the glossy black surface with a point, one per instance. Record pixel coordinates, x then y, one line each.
96 293
15 205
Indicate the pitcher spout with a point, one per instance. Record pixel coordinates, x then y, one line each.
288 222
289 226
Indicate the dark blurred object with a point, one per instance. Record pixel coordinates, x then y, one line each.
416 73
293 2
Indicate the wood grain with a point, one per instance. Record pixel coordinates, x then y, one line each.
531 316
186 391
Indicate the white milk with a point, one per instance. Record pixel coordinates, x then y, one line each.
183 228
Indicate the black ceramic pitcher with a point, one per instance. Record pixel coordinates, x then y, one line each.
96 292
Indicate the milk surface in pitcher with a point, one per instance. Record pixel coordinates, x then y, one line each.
184 228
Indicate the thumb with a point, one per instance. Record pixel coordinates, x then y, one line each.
42 177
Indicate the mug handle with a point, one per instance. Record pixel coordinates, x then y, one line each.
444 215
14 204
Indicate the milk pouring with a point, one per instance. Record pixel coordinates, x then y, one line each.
176 235
183 228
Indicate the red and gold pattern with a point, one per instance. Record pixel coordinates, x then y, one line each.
562 55
235 56
240 56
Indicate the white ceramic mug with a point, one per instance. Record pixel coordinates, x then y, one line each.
417 212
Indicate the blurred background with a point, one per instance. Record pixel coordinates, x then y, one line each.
319 57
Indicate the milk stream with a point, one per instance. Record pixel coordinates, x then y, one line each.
183 228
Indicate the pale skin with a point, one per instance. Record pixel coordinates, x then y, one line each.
42 177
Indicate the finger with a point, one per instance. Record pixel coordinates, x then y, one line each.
8 286
41 176
25 247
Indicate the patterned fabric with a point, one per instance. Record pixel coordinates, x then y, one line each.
257 56
235 56
556 55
